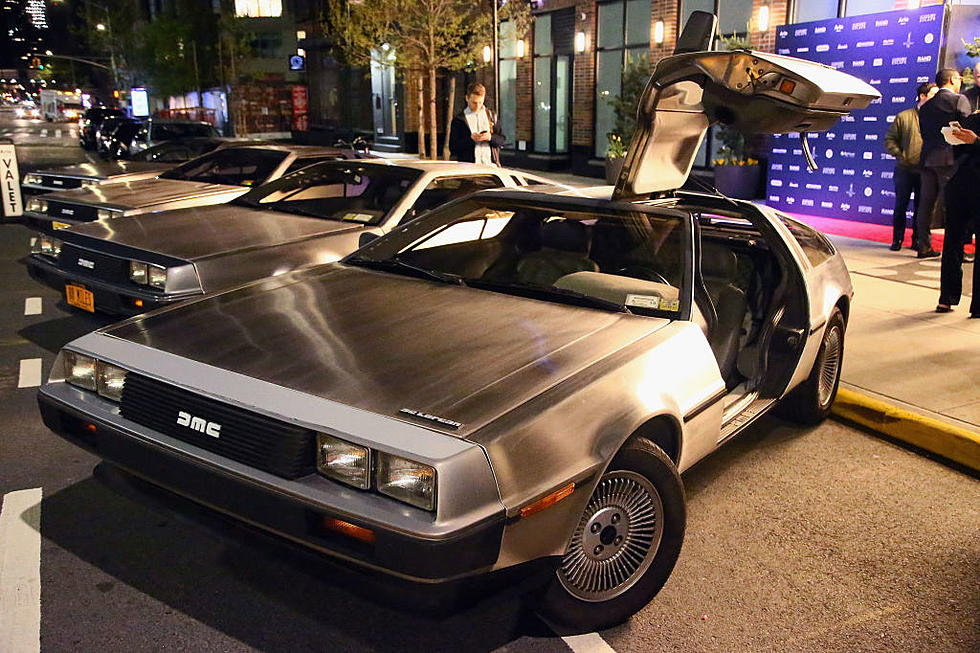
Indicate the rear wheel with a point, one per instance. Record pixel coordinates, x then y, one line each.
625 544
810 403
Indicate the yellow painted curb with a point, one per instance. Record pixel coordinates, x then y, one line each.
952 442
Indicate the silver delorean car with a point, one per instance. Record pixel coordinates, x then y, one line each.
214 178
517 376
315 215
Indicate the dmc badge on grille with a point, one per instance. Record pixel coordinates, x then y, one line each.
199 424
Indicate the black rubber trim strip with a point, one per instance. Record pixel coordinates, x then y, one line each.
706 404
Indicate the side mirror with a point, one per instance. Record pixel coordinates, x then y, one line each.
366 238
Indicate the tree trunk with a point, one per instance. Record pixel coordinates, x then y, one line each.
449 114
421 100
433 129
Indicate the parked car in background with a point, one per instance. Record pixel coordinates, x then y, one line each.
214 178
315 215
89 123
145 165
103 135
515 377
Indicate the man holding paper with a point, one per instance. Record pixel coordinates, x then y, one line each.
936 159
962 208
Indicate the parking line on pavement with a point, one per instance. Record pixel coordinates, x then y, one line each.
57 133
20 571
588 643
44 132
30 373
32 306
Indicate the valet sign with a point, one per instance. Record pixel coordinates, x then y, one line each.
10 178
893 51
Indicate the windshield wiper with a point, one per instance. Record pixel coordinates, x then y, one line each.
549 292
397 265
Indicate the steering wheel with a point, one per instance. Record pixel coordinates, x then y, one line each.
642 271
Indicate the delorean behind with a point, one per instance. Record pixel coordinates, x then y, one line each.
517 376
214 178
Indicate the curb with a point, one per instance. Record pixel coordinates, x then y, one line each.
949 441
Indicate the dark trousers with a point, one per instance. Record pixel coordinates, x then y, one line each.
934 180
907 182
962 210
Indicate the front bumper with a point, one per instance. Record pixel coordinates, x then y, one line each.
109 297
94 424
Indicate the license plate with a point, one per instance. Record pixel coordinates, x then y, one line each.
79 297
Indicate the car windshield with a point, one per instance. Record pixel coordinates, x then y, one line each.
339 190
240 166
170 130
580 253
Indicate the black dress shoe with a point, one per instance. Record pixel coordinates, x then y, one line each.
944 308
895 247
928 253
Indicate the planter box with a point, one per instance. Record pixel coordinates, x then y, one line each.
613 166
739 182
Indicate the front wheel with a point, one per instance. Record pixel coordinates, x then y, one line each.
810 402
625 544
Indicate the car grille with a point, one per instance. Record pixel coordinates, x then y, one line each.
72 211
92 264
268 444
54 181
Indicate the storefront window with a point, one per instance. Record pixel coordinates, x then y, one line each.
623 36
815 10
734 16
508 82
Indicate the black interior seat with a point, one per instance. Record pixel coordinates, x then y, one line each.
719 272
564 249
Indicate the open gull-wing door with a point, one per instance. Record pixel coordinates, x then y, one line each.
754 92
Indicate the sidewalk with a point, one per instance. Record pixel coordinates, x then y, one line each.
909 372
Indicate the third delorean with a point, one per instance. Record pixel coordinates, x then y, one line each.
516 376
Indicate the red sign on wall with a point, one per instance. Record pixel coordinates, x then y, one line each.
300 106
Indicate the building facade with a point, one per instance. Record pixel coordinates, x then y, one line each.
556 80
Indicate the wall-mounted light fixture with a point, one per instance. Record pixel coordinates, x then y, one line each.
764 18
580 42
487 54
658 32
521 46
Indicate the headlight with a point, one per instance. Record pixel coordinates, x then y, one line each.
346 462
156 276
103 214
32 179
37 206
137 272
110 380
407 481
80 370
47 245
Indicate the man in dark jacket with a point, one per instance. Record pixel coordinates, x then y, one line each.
962 209
973 93
904 142
475 134
936 158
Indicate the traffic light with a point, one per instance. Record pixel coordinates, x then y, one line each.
115 94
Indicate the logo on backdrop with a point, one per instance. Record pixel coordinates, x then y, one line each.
903 46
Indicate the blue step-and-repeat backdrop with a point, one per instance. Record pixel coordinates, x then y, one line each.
893 51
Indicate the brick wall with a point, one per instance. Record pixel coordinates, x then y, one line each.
667 11
583 88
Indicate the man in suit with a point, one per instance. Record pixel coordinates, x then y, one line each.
962 209
936 158
475 134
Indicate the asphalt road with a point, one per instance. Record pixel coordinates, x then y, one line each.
821 539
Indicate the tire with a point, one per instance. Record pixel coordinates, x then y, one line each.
810 403
637 506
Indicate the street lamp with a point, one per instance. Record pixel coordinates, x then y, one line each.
100 27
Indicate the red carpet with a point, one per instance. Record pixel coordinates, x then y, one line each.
864 230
